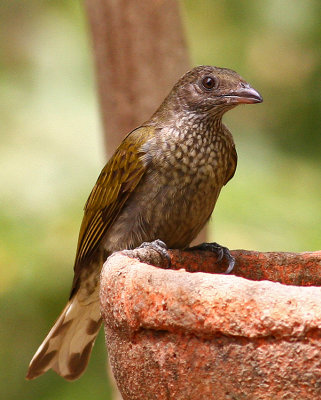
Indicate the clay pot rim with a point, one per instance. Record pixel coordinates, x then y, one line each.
203 304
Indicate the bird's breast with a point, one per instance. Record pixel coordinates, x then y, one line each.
195 159
174 199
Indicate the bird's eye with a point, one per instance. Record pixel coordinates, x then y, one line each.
208 82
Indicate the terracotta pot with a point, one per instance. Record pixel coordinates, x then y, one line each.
175 334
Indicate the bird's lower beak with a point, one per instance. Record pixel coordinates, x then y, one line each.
244 95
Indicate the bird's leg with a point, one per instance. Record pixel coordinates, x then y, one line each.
220 251
154 253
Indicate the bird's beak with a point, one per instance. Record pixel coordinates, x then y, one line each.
244 95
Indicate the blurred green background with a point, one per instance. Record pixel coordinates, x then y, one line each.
51 153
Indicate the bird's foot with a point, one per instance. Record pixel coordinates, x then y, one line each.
159 246
220 251
154 253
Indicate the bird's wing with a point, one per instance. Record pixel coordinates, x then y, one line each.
115 184
231 165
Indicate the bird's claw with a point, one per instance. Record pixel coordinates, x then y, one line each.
220 251
160 247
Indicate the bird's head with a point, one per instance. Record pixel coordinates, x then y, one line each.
207 89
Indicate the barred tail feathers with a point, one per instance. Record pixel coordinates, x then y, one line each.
68 345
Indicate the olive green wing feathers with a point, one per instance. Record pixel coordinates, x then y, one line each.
231 167
116 182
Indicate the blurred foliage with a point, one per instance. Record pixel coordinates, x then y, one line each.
51 152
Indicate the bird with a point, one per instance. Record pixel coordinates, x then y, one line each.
161 185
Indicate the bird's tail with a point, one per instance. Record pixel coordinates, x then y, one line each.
68 345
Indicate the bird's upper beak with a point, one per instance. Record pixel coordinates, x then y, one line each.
244 95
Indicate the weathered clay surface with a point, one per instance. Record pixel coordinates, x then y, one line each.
173 334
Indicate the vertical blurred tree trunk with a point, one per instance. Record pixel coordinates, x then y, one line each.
139 52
